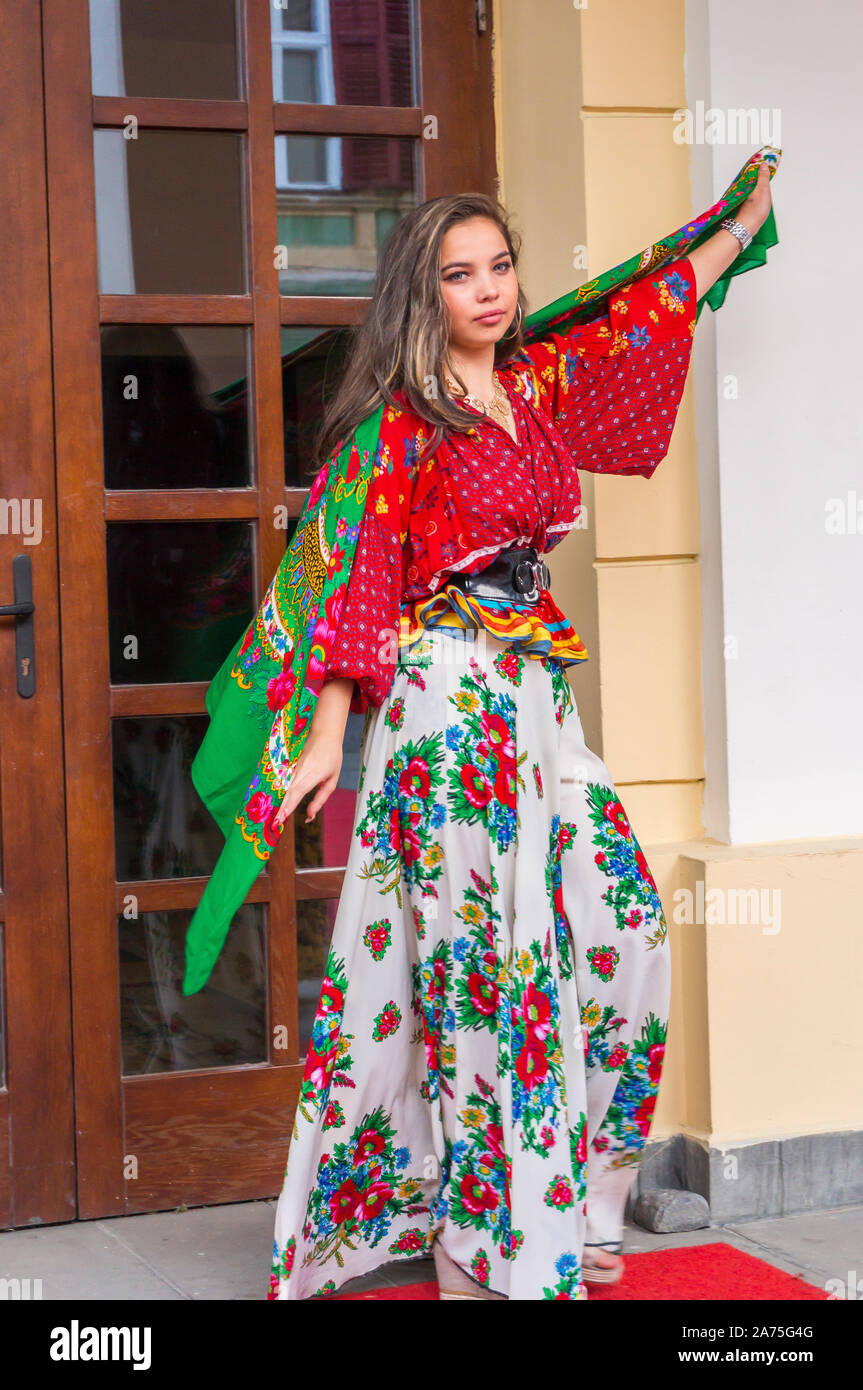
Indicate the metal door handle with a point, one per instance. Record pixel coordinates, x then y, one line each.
22 610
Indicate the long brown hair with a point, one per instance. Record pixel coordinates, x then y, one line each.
403 340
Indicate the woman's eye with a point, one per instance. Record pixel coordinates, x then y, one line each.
501 265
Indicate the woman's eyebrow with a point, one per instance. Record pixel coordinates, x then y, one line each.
451 264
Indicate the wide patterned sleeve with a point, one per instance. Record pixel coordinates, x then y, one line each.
365 644
613 385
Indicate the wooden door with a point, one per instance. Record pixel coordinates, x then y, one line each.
37 1133
220 176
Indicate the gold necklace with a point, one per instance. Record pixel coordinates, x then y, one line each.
498 407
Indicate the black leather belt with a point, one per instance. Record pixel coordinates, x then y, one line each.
516 575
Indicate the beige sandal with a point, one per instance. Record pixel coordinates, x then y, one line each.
593 1273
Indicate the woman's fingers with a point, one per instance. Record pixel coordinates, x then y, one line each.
296 793
318 800
319 768
293 795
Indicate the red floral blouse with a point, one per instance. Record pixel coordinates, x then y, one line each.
603 397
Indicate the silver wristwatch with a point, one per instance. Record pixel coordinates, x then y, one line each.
732 225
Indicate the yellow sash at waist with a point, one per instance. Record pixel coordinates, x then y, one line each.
535 629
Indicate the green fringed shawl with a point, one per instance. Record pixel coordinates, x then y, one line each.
262 698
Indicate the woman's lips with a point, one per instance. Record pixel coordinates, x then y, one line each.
491 317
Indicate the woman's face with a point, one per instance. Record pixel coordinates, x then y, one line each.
478 282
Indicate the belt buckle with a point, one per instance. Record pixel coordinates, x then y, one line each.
524 578
537 571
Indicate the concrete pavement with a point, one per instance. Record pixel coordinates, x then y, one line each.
223 1252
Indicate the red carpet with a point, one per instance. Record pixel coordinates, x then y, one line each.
699 1272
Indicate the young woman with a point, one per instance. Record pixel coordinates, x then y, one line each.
488 1045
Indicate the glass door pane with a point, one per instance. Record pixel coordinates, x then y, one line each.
143 48
171 413
337 198
170 212
344 52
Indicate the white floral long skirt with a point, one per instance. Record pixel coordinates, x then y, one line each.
489 1039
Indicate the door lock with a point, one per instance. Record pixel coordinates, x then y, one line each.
22 610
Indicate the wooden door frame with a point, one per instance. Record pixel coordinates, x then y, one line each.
147 1116
37 1151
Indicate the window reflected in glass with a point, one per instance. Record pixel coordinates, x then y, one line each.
223 1025
138 48
175 406
180 594
169 212
161 827
313 362
344 52
337 198
315 920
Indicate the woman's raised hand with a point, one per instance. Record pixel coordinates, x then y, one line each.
714 256
753 211
319 766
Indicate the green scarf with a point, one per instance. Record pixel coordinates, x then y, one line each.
262 698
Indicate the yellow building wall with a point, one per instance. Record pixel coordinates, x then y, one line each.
763 1041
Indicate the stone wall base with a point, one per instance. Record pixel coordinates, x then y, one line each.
752 1180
